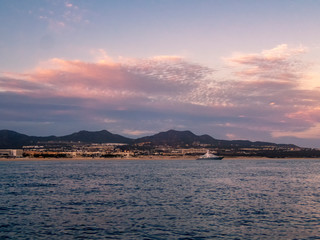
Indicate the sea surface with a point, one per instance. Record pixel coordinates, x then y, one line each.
176 199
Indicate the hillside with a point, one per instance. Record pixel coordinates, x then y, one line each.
177 138
184 138
11 139
95 137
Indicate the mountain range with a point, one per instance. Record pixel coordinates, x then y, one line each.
12 139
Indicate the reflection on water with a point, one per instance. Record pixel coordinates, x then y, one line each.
229 199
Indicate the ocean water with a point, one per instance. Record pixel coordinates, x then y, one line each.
228 199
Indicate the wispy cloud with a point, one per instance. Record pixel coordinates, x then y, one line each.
274 80
278 64
150 79
61 16
308 133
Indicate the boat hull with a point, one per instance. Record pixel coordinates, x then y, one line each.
214 158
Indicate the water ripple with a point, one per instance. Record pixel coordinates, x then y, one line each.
269 199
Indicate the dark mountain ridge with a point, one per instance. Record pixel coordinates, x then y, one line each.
12 139
175 138
183 138
102 136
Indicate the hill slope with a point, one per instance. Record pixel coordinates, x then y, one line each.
11 139
176 138
95 137
184 138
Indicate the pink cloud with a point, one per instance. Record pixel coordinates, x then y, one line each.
277 64
68 5
276 76
138 81
265 95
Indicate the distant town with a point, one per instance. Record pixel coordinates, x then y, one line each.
170 144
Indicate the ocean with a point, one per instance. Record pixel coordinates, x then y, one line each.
176 199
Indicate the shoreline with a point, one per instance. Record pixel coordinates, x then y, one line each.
145 158
150 158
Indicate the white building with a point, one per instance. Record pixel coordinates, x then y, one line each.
11 153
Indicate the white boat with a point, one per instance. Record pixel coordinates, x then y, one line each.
209 156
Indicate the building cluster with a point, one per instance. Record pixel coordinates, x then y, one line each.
105 150
119 150
74 150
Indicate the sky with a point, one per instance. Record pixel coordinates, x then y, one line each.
232 69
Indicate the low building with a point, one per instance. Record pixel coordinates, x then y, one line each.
11 153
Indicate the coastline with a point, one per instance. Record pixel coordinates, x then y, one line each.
144 158
150 158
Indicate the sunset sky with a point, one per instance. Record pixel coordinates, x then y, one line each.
232 69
